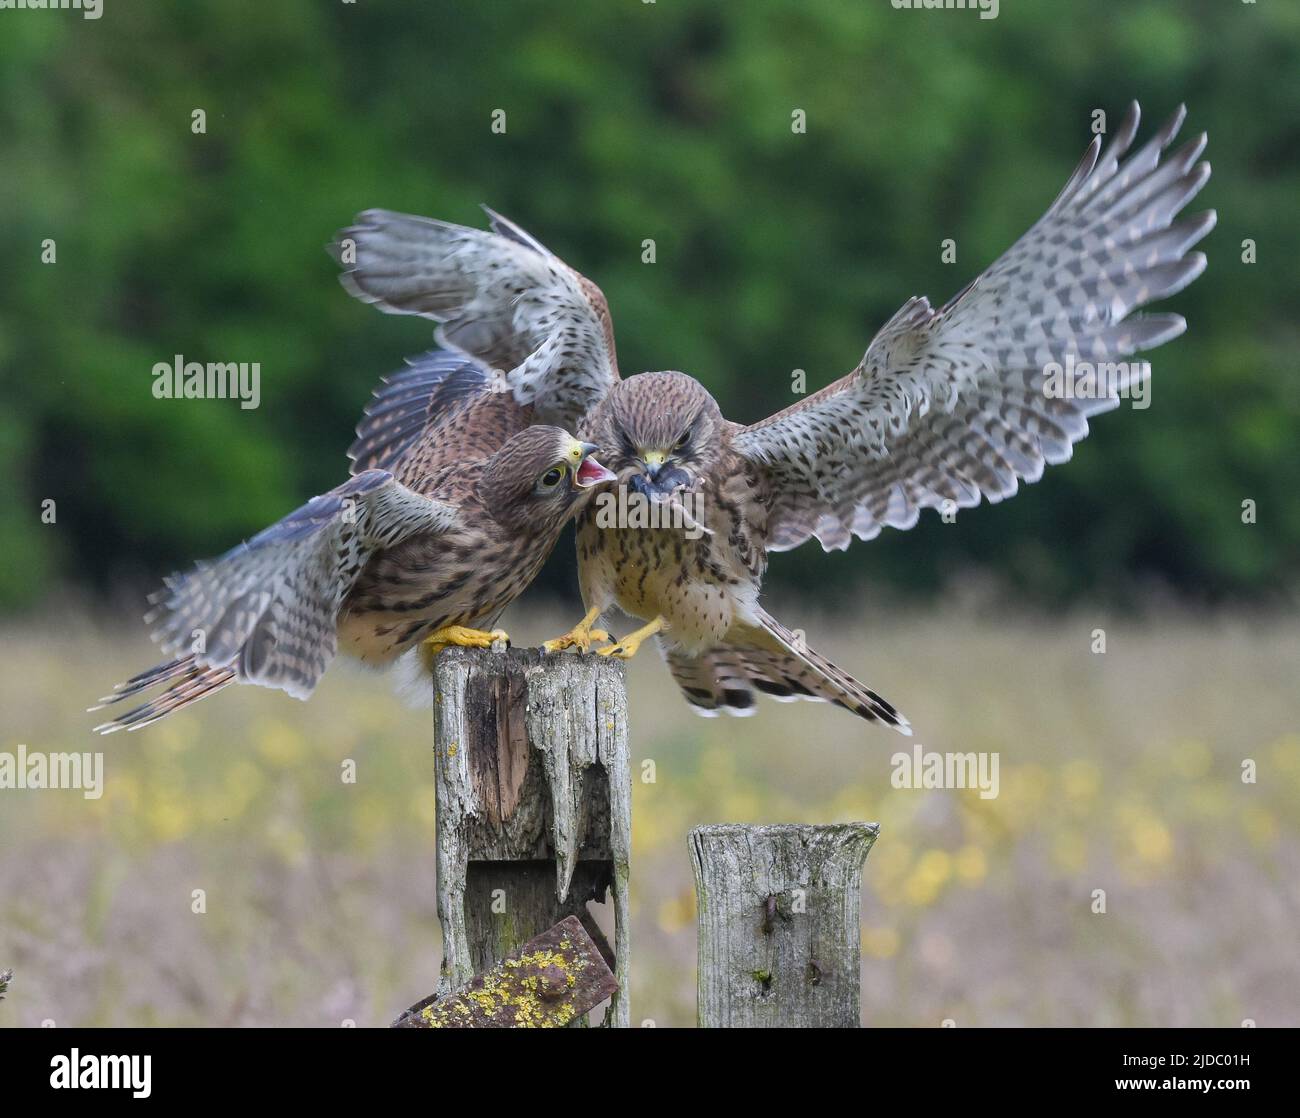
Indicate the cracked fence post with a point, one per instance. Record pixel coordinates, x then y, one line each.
779 939
534 804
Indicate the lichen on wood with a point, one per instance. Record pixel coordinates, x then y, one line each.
547 984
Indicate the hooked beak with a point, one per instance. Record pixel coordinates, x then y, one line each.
658 479
589 471
653 460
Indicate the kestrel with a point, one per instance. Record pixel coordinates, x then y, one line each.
945 408
455 503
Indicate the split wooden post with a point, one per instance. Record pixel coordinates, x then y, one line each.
779 940
534 804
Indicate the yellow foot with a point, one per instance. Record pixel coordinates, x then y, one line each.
580 636
461 637
628 646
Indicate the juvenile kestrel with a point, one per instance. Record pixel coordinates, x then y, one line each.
949 405
444 523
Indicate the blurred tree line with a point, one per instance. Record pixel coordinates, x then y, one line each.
626 120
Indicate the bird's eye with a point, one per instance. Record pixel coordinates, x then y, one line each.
551 478
683 441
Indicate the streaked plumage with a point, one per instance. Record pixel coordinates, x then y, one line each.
946 405
443 538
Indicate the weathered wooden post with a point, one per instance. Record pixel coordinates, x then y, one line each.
534 804
779 940
549 983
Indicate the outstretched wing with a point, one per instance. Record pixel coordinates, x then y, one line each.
500 296
269 607
962 403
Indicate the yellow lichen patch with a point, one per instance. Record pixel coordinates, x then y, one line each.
509 998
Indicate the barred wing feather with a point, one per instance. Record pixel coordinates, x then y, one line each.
269 607
500 296
953 404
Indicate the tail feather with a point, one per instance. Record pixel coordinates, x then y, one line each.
145 680
773 660
193 681
714 682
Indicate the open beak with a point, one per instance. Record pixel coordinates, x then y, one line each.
589 471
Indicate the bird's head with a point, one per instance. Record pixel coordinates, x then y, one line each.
659 432
539 475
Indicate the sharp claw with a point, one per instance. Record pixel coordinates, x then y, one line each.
578 637
630 645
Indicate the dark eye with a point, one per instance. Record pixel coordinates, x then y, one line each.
683 442
551 478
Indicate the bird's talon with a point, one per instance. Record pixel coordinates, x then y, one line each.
628 647
461 637
579 637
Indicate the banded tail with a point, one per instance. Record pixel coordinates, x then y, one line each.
192 681
771 659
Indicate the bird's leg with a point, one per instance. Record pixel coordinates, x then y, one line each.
626 648
580 636
461 637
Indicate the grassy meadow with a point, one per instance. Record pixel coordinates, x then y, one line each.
1120 771
756 188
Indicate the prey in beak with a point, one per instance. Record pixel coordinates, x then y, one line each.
658 480
588 472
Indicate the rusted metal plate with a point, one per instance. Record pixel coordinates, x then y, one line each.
548 983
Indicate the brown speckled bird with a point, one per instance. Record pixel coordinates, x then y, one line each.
946 407
455 503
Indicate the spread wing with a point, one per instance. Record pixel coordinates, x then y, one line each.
269 607
963 403
500 297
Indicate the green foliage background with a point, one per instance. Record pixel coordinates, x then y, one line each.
627 120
